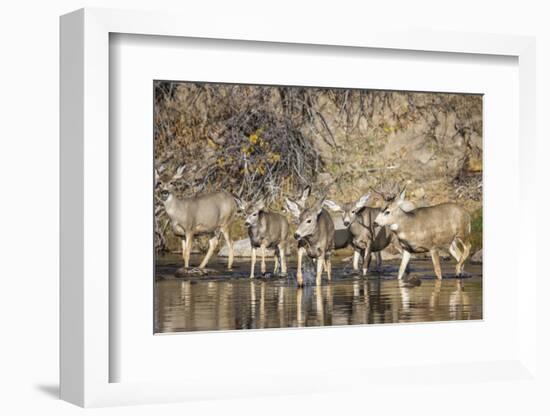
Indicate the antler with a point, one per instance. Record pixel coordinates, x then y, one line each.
389 191
179 173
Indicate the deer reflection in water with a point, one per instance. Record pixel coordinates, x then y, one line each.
242 303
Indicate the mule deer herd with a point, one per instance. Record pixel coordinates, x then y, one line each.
368 230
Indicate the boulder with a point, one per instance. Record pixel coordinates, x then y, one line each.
477 258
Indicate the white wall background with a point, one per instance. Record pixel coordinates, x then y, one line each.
29 205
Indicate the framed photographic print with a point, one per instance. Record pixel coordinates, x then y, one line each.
311 182
268 213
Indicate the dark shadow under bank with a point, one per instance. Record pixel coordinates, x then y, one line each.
223 300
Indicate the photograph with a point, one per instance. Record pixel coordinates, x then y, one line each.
302 206
233 208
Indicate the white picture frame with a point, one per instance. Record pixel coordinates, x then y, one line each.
86 355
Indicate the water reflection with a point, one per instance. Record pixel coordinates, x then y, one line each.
233 301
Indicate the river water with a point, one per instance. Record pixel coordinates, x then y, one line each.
222 300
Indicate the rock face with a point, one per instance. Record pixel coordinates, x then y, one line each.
477 258
432 142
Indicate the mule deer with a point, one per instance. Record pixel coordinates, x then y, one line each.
428 229
366 236
315 235
266 229
209 213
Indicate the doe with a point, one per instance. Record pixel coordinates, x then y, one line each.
315 235
266 229
366 236
203 214
428 229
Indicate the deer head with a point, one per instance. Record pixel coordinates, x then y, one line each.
349 210
306 217
250 211
390 214
166 184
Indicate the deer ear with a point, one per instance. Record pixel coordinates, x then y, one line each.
333 206
241 205
293 207
362 201
402 194
407 206
305 195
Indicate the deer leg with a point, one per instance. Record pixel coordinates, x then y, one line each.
252 262
404 263
356 255
212 243
282 253
455 251
299 276
435 259
262 305
253 299
229 243
320 263
366 259
183 244
276 261
188 245
262 248
328 266
378 255
299 313
460 266
330 300
457 255
319 299
434 298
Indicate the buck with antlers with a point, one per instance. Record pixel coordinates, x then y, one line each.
315 235
428 229
209 213
266 229
366 236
